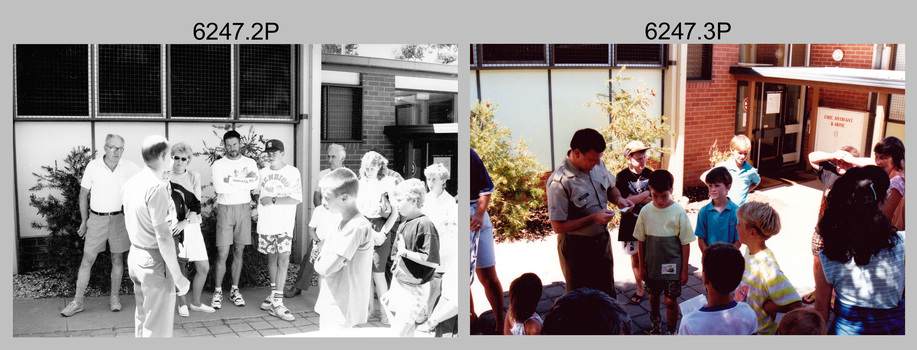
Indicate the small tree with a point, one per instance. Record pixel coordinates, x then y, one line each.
512 168
716 156
629 121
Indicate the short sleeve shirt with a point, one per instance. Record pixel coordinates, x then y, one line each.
878 284
345 288
481 184
664 231
630 184
714 226
573 194
147 204
324 222
764 280
276 219
105 184
742 179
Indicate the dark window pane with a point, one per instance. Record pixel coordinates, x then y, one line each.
700 62
514 54
200 81
643 54
342 113
264 80
52 80
581 54
129 79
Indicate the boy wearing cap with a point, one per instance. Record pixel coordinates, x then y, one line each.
281 191
633 183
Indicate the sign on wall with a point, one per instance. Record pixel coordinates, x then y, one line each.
836 128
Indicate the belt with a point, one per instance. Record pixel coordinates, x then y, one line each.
106 214
148 249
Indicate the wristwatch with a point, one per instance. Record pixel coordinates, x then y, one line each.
273 200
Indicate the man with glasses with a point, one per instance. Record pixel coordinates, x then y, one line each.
103 220
234 177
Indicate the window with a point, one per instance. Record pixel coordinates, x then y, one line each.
342 113
514 54
474 55
649 55
700 62
265 75
52 80
201 78
130 79
582 55
424 107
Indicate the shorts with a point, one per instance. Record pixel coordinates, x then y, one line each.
671 289
629 247
234 224
485 251
817 243
193 249
275 244
108 228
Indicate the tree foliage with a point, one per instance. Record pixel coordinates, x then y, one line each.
629 121
340 49
445 53
514 171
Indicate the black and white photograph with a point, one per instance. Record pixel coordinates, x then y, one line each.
242 190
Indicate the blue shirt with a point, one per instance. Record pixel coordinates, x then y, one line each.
714 226
742 179
481 184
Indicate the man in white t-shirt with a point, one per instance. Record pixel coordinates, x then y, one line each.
103 219
281 192
234 177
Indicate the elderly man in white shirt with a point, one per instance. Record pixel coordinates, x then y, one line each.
103 220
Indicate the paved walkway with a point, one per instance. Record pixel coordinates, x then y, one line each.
41 318
796 203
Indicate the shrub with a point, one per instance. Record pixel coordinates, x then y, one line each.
716 156
62 219
629 121
512 168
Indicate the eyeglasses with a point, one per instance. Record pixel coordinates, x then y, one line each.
180 158
119 149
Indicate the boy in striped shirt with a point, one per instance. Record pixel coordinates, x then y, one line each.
764 286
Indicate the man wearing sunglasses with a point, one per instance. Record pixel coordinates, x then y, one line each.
102 220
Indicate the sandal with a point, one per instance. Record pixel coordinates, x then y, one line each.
809 298
636 299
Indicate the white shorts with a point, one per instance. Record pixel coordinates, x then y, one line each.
629 247
193 249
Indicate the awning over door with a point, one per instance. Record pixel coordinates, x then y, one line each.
872 80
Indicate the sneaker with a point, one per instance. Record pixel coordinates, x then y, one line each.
72 308
266 304
236 298
115 302
282 312
183 311
656 327
203 308
671 332
217 301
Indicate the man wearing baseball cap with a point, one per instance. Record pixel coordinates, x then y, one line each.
281 191
633 183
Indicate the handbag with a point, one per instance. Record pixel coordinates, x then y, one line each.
385 206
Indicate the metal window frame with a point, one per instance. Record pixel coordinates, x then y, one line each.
89 115
291 117
478 62
517 64
706 65
96 95
609 58
358 94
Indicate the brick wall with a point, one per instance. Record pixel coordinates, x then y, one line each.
32 251
855 56
378 112
709 113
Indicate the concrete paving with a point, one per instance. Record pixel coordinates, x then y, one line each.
42 318
797 204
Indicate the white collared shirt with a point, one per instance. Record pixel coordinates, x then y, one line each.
105 184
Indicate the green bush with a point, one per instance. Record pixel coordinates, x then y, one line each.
62 219
514 171
629 121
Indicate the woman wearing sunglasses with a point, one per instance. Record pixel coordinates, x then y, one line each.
193 249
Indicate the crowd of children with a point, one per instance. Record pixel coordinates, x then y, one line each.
747 293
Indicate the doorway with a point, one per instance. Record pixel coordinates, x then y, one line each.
777 137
